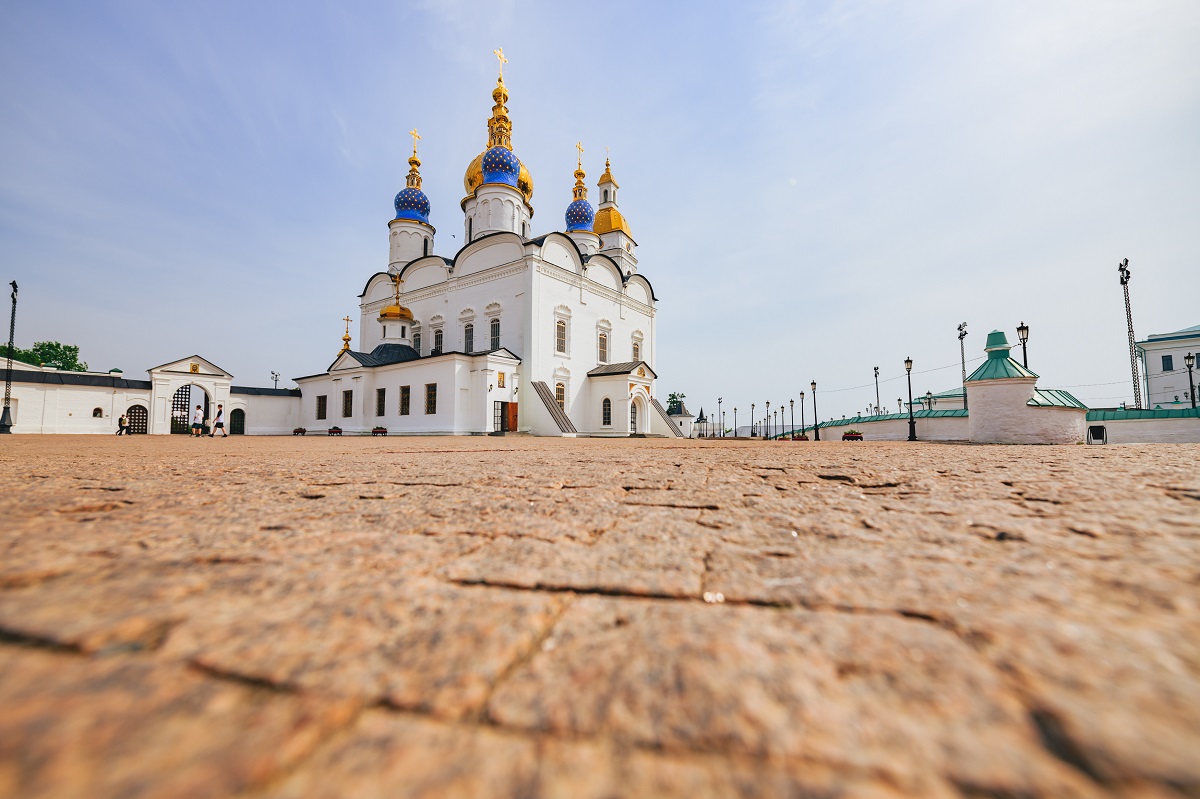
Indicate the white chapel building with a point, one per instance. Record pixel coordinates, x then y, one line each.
550 335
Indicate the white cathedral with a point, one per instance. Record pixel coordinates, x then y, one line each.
551 335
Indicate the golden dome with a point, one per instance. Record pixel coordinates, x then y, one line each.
473 179
607 177
608 220
396 312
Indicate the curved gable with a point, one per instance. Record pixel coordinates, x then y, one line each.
494 249
379 287
605 272
639 288
424 272
561 251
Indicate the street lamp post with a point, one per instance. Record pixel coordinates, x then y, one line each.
753 421
1189 361
962 349
877 406
816 419
735 421
767 421
792 405
6 422
1023 335
912 422
1123 268
721 415
929 400
275 377
900 404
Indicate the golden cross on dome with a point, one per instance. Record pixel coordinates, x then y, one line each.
579 160
396 288
415 136
347 320
499 53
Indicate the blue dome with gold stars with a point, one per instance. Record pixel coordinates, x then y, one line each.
411 203
580 216
500 165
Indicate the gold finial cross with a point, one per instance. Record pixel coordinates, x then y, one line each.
607 154
579 160
396 288
347 320
415 136
499 53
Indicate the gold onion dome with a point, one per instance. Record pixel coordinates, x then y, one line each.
498 164
396 312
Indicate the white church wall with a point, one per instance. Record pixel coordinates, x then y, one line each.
266 415
1150 431
49 408
1000 414
933 428
488 254
424 275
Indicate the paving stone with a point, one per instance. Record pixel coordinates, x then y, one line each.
127 727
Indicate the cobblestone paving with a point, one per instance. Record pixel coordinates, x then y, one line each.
396 617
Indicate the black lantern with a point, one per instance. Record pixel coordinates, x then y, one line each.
816 419
1023 335
912 422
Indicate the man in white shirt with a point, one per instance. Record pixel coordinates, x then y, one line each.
219 423
198 422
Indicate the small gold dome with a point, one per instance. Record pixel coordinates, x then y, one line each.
608 220
396 312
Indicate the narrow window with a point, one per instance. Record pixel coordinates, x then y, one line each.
380 401
437 342
632 418
385 331
560 336
425 247
403 331
469 338
322 406
469 221
637 351
348 403
606 195
606 412
500 379
405 394
560 395
417 342
603 348
1168 363
97 413
495 334
431 398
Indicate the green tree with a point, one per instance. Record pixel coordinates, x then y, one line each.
48 353
675 402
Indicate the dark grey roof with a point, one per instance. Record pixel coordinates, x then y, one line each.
388 354
619 369
683 411
265 392
77 379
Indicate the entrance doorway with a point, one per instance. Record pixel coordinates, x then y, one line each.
237 422
633 422
504 417
138 418
183 404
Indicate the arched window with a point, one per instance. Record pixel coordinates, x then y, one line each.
468 337
637 351
606 412
97 413
602 346
560 395
437 341
605 195
633 417
495 334
417 342
425 247
469 221
560 336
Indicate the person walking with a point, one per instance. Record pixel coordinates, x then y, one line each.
122 425
198 422
219 423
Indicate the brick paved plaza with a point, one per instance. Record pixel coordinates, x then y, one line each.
400 617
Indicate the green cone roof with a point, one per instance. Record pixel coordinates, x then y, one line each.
998 365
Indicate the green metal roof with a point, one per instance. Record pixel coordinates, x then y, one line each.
1187 332
998 365
1054 398
1117 415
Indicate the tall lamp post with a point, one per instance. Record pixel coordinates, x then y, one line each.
792 405
275 377
721 415
6 416
962 349
735 421
900 404
753 421
877 405
1189 361
1023 335
912 422
1123 269
816 419
801 413
767 420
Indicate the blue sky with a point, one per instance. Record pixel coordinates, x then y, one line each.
816 188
